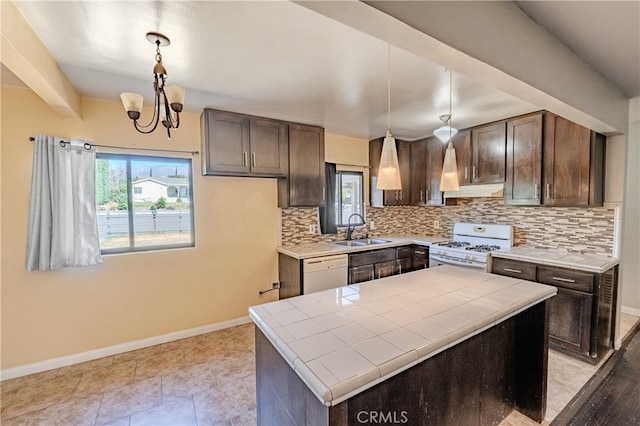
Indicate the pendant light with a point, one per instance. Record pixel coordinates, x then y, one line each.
389 170
449 178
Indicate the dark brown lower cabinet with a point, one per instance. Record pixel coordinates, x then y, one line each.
582 316
360 274
570 320
380 263
419 257
386 269
404 265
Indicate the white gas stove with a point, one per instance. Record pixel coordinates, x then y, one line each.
471 244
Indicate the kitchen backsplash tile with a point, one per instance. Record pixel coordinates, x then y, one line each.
589 230
295 227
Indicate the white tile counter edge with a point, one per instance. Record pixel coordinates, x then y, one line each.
342 390
588 262
309 250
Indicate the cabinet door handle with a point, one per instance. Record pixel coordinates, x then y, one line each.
421 195
379 272
401 195
536 191
548 191
324 190
244 159
513 270
466 172
399 268
396 195
473 172
564 280
419 252
371 275
253 159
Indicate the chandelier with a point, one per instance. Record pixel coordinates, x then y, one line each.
169 98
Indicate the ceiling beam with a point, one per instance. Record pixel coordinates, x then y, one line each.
494 43
22 52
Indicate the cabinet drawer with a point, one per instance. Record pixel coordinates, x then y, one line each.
369 257
404 252
514 268
575 280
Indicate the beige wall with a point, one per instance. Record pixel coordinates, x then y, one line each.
630 252
133 296
349 154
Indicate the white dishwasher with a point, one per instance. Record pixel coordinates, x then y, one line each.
322 273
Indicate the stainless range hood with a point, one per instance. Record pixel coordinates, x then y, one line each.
495 190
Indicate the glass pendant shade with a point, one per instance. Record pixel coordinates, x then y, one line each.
389 171
449 178
445 133
132 101
175 96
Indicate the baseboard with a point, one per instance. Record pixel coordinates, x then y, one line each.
50 364
630 311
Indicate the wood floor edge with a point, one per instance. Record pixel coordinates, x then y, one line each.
570 411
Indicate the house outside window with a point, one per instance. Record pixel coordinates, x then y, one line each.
143 203
349 197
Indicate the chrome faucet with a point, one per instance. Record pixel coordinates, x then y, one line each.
349 228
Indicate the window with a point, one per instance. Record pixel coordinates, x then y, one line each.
349 197
143 203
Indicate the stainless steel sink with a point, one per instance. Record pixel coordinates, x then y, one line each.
362 242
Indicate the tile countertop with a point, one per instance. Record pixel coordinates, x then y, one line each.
598 263
308 250
345 340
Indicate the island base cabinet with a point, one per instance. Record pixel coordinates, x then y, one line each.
509 371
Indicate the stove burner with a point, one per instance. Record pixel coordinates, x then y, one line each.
455 244
483 248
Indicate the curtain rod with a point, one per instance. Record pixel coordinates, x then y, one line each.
88 146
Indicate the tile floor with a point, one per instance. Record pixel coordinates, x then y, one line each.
203 380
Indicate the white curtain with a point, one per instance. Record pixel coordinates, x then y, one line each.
62 215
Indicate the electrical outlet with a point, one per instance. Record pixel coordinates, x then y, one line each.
372 225
436 224
312 229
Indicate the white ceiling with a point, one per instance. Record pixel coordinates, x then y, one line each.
605 34
278 59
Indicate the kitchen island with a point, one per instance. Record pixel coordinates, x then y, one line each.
444 345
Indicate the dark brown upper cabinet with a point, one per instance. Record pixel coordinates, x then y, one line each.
488 144
305 186
573 164
401 197
427 156
524 161
241 145
418 172
462 144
